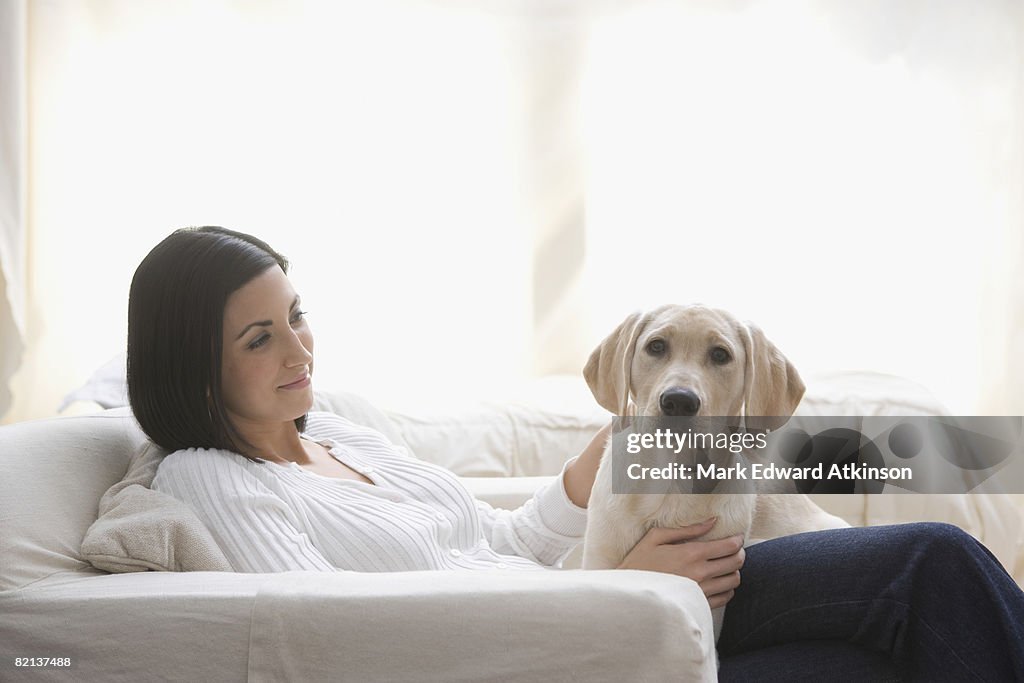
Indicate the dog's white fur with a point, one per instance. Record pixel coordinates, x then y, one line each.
626 379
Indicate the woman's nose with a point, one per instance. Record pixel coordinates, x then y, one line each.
298 354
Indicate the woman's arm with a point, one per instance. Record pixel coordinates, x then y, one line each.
580 473
550 525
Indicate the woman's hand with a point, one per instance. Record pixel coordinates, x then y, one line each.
714 565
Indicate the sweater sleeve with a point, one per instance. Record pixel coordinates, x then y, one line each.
254 527
545 529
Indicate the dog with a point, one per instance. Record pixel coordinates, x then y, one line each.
691 361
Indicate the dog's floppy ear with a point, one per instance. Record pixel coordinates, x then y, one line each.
607 370
771 384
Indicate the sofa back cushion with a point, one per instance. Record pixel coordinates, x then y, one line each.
534 430
52 475
360 411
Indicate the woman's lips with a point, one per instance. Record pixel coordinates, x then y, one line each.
298 384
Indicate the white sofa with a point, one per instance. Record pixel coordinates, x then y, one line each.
412 626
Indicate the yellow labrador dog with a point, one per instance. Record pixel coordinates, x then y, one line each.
690 361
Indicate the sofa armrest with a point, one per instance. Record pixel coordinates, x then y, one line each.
406 626
472 626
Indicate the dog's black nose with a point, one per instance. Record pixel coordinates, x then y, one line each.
680 402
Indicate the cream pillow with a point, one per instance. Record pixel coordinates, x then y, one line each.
140 529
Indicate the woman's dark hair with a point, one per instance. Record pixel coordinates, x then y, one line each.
175 334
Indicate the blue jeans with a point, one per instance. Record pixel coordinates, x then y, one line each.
910 602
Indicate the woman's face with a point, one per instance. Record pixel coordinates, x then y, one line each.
268 353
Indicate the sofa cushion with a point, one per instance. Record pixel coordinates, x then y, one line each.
360 411
529 430
107 386
52 475
865 393
540 425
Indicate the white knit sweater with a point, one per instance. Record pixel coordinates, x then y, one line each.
268 517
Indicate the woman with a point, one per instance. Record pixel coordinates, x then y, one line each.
219 372
220 359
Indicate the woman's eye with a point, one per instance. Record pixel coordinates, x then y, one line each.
720 355
656 347
299 315
259 341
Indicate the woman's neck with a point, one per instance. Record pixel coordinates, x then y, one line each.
277 442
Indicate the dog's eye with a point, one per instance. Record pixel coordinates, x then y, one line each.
720 355
656 347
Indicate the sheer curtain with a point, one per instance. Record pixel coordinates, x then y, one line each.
848 175
375 144
473 194
13 193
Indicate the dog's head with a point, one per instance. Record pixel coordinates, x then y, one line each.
692 360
